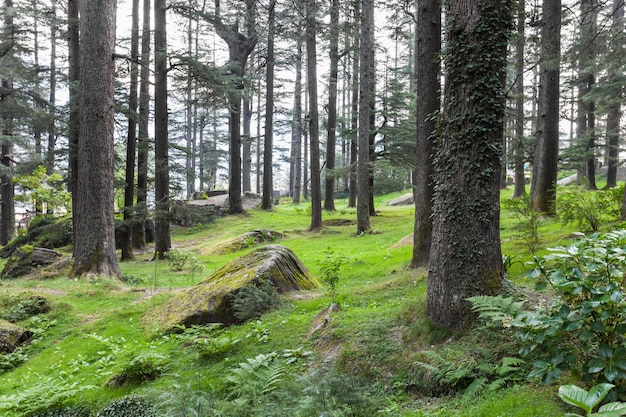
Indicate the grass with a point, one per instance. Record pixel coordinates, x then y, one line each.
375 336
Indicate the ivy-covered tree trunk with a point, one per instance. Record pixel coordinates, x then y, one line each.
543 187
95 237
314 130
465 257
427 66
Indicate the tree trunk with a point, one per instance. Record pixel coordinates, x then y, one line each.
427 65
314 129
95 237
354 112
465 257
268 180
162 239
53 88
131 140
296 137
615 108
247 144
365 91
143 144
331 136
520 184
240 47
73 45
543 187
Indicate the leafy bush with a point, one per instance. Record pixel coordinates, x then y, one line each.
580 330
18 307
131 406
178 259
529 223
329 266
255 300
141 367
589 210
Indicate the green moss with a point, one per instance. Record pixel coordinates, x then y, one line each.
210 301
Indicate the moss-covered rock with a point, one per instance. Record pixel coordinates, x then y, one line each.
11 336
211 301
44 231
244 241
26 259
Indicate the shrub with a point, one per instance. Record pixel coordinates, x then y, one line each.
329 267
529 223
65 412
131 406
580 330
179 260
19 307
588 210
255 300
141 367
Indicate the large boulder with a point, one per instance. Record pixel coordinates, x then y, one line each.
214 299
11 336
26 259
403 200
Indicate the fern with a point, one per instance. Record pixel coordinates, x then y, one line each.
496 309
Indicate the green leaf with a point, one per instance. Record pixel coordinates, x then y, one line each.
582 398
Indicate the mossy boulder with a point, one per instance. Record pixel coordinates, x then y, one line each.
211 301
11 336
244 241
26 259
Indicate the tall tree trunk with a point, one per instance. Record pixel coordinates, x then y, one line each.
585 119
311 53
296 137
614 113
465 257
331 136
518 147
95 237
73 44
131 140
189 106
365 91
268 180
543 187
7 104
247 143
143 144
53 87
354 110
162 237
240 47
427 65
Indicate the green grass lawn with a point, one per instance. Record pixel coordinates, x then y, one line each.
368 350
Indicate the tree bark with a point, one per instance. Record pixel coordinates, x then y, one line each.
465 258
520 180
143 144
296 137
615 108
543 187
95 237
314 132
268 177
354 111
427 67
131 140
365 90
73 44
162 239
53 87
331 131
